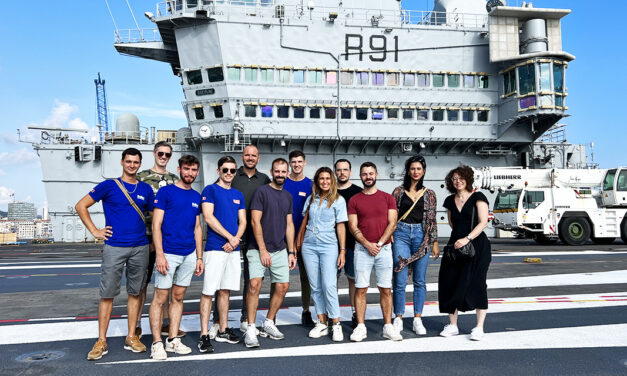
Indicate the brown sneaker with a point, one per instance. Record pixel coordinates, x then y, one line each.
133 344
99 349
165 330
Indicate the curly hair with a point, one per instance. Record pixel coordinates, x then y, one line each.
464 172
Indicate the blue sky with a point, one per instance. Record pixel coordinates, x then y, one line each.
52 51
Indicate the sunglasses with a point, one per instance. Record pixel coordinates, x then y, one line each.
162 153
231 170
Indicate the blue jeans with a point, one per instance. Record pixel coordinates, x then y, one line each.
407 238
321 263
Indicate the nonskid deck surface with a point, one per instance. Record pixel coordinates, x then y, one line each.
566 315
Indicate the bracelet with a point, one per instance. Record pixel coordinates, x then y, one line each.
342 249
198 258
291 253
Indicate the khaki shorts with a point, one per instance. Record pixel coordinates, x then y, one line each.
279 270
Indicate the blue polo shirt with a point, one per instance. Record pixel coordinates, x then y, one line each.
181 208
226 205
299 190
127 226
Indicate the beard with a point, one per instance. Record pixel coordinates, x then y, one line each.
188 179
342 180
369 183
279 181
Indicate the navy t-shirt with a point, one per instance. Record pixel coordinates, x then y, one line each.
226 205
275 206
127 226
181 208
299 190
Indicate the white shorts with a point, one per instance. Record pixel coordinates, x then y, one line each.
222 271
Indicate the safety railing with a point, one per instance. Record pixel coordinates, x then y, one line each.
137 35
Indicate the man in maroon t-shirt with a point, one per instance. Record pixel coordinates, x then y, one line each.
372 220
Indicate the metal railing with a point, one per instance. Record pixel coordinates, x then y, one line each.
376 17
69 138
137 35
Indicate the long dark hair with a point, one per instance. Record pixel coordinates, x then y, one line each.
407 176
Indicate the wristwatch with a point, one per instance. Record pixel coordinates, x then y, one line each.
468 237
380 243
291 253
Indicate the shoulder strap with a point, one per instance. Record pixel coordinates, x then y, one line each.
130 200
420 194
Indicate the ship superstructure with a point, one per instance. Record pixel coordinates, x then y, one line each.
362 80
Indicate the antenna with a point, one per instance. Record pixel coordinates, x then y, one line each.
102 109
117 34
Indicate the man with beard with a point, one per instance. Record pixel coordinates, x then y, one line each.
347 190
372 220
176 234
246 180
273 231
225 213
125 201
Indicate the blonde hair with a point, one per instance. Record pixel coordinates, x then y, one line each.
332 196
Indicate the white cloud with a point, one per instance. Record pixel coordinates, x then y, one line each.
6 195
77 123
61 116
151 111
9 138
19 157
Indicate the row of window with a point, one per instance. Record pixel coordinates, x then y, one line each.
359 113
329 77
549 83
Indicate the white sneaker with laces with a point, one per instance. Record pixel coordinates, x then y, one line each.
157 352
319 330
271 331
476 334
389 332
243 326
177 347
449 330
213 331
338 336
418 328
359 333
250 339
398 324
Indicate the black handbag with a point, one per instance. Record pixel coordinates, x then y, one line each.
464 253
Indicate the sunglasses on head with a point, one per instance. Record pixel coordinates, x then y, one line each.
162 153
231 170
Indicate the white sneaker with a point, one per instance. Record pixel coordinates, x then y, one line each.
338 336
398 324
243 326
270 330
250 339
213 331
359 333
177 347
157 352
319 330
449 330
389 332
476 334
418 328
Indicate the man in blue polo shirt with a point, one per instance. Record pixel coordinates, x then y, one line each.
176 233
224 211
299 186
125 201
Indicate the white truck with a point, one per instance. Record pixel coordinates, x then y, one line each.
573 205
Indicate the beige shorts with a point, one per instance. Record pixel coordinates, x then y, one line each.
222 271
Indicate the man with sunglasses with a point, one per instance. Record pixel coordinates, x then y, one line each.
224 211
156 177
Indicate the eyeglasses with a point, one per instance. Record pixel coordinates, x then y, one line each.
231 170
456 179
162 153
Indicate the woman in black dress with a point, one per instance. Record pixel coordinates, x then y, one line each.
462 283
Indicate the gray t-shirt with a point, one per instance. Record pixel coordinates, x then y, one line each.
275 205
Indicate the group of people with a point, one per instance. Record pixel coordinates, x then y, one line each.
276 223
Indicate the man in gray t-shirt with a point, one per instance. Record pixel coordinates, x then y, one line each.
273 230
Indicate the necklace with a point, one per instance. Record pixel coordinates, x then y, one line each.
136 184
462 199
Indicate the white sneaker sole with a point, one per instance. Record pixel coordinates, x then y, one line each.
323 333
264 334
399 338
159 357
100 357
252 345
129 348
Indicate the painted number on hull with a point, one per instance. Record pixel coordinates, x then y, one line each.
378 47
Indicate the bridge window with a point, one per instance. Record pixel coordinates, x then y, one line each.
438 115
453 80
482 115
409 79
266 111
199 112
234 74
408 114
558 77
393 79
283 112
346 78
438 80
509 82
362 78
527 102
377 78
331 77
194 77
250 111
484 82
330 113
544 70
267 75
361 113
393 113
284 76
527 79
469 81
299 112
218 112
452 115
559 101
314 113
377 114
468 115
423 80
215 74
423 115
347 113
299 76
250 74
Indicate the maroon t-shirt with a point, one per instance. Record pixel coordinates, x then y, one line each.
372 213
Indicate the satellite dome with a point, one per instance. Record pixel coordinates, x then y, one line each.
127 122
